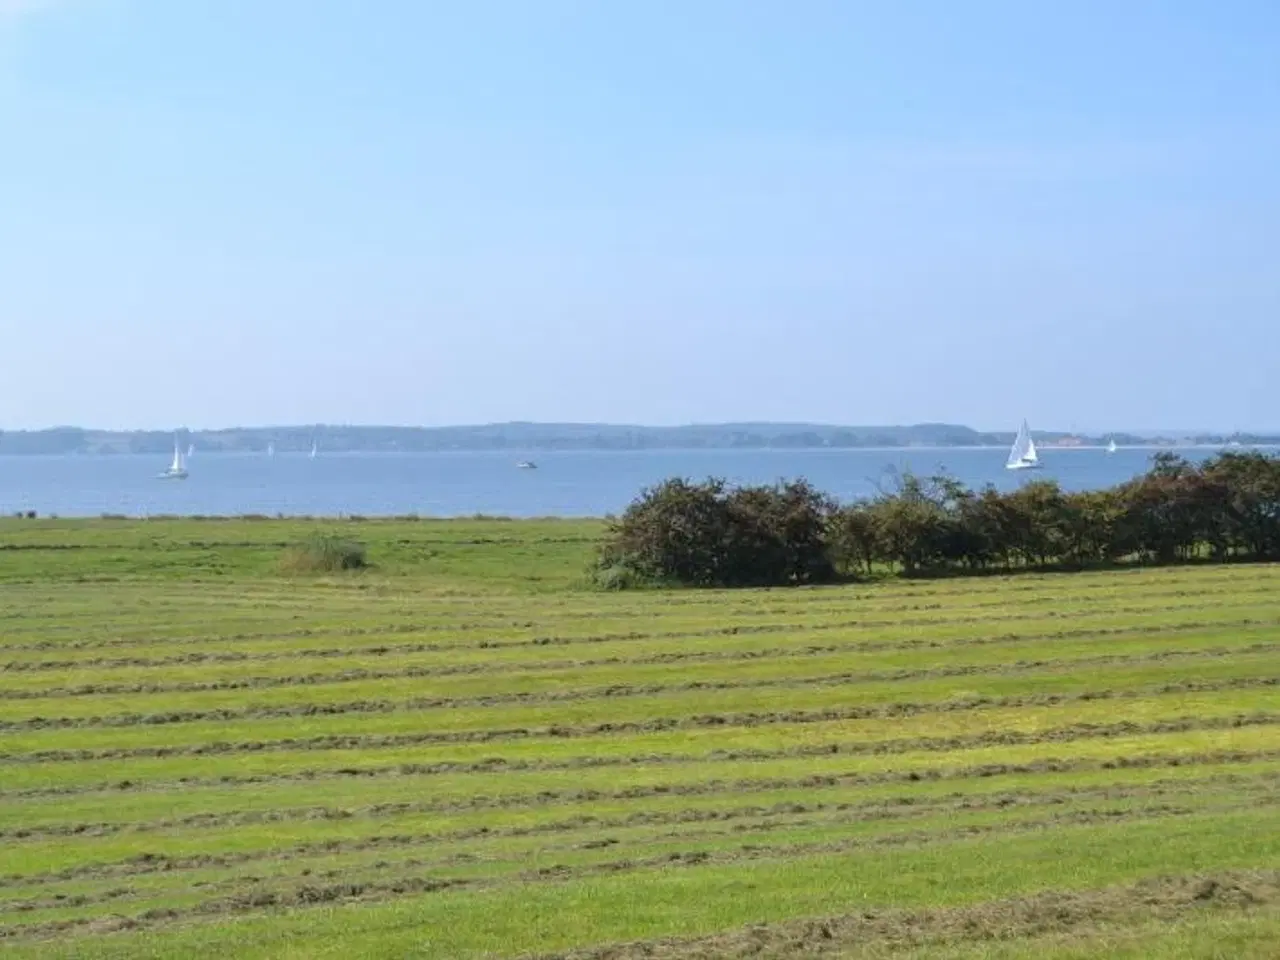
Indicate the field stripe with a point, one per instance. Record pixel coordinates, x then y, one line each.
34 747
498 765
382 890
418 794
940 621
164 714
579 828
425 661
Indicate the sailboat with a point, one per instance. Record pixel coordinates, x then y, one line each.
271 449
1111 446
314 449
191 449
1022 455
178 469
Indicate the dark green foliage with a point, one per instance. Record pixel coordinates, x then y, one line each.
323 553
710 534
1225 508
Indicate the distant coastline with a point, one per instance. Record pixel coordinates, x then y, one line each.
575 436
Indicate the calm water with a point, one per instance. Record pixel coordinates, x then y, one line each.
450 484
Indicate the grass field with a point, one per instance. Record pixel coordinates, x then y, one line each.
462 752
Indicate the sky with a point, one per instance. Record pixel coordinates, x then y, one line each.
251 212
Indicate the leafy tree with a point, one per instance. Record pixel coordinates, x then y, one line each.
853 539
778 535
708 534
676 531
1245 488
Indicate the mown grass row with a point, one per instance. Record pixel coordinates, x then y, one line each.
54 608
803 701
491 853
703 747
447 757
514 837
935 631
635 851
593 823
709 895
425 687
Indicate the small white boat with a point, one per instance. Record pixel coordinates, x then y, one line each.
1022 455
191 449
314 449
178 469
527 465
271 449
1111 446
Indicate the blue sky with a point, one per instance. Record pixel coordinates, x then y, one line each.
220 212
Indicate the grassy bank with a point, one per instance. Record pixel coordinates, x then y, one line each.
460 751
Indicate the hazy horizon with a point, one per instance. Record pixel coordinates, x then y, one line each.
1008 428
222 212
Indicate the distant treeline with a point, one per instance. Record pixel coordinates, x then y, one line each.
540 436
712 534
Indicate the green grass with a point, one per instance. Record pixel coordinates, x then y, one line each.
462 751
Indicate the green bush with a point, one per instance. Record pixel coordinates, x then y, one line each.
617 576
712 535
323 553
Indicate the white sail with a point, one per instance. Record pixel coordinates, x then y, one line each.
178 468
1111 447
271 449
313 449
1022 455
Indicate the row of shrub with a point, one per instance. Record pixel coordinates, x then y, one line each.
714 534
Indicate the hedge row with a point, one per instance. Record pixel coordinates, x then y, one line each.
714 534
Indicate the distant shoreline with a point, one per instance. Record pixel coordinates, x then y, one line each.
543 451
551 437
